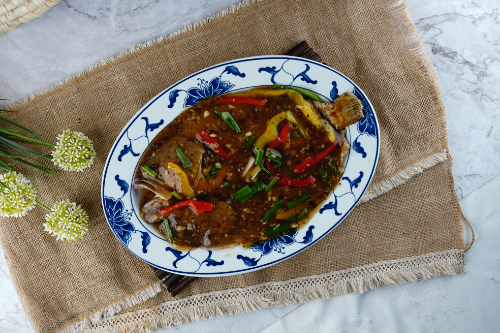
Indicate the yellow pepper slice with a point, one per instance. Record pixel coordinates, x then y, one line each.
185 188
291 118
311 114
260 91
271 132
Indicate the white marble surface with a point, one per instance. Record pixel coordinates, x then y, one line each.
462 39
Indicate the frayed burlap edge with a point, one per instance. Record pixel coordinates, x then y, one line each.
277 294
403 176
357 283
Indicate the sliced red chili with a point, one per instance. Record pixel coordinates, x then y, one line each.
212 143
296 182
241 100
313 160
199 207
283 137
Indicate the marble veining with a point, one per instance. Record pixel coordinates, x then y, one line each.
462 38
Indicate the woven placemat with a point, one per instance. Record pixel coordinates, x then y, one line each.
408 226
15 12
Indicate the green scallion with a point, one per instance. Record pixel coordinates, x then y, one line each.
177 195
267 171
312 96
295 135
203 193
277 86
273 210
300 199
274 156
185 161
277 229
324 175
225 185
241 193
260 185
251 139
147 169
260 157
213 170
228 116
271 184
248 196
302 214
292 218
166 223
225 119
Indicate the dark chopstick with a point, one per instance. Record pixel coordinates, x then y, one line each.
175 283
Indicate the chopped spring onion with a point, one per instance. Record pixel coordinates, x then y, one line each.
300 199
292 218
324 175
260 157
251 139
213 170
241 193
295 135
335 169
277 229
149 171
228 116
312 96
277 86
273 210
302 214
249 165
262 167
185 161
248 196
274 156
283 108
255 172
225 185
225 119
203 193
271 184
166 223
177 195
260 185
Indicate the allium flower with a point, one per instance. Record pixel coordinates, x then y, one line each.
67 221
73 152
17 194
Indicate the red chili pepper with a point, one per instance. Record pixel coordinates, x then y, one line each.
283 137
241 100
212 143
296 182
198 206
313 160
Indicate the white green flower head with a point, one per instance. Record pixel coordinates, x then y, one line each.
73 152
67 221
17 194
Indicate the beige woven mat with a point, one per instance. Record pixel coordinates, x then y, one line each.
407 227
15 12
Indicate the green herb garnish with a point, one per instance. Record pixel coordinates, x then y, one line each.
151 172
185 161
271 184
300 199
277 229
251 139
166 223
273 210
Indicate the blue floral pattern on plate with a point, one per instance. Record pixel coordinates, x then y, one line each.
120 201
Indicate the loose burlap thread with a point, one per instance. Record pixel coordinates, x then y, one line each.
408 226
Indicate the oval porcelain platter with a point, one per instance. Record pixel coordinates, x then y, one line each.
120 201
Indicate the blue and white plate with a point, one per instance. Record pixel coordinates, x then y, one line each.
120 201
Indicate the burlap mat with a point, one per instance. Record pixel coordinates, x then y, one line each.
408 227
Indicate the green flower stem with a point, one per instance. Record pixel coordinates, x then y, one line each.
43 206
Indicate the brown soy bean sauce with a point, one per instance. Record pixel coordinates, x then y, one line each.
243 224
